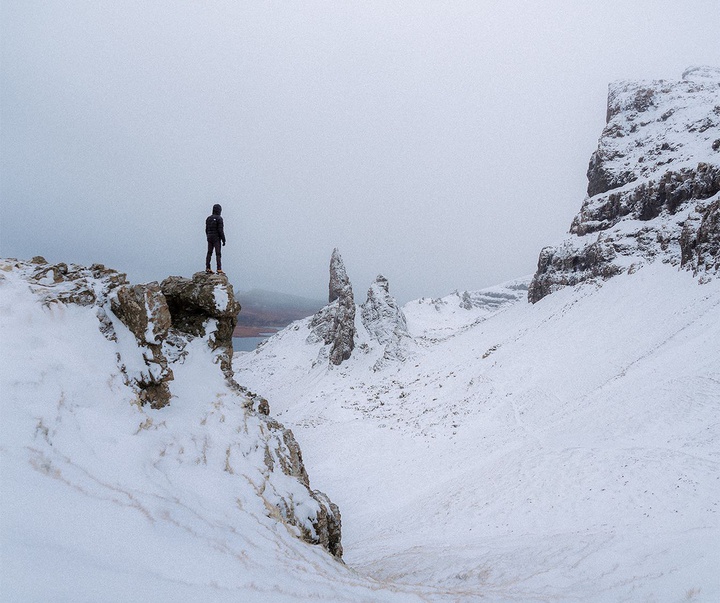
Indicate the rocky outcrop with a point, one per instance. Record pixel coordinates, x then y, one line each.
381 315
334 324
204 304
144 311
150 326
339 281
385 322
72 284
325 528
164 317
700 240
652 184
667 194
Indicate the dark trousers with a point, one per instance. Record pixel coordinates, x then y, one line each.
213 244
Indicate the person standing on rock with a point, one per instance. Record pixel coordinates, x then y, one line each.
215 233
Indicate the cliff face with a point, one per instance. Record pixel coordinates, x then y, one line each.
158 331
653 186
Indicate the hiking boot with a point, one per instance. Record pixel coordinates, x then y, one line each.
220 271
208 271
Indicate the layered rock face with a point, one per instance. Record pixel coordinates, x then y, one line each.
144 311
152 326
334 324
163 318
653 185
204 302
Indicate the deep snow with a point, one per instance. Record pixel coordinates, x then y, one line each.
106 500
567 450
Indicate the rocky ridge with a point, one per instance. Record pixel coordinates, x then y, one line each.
154 328
653 186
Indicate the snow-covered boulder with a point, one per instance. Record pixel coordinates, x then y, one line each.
652 184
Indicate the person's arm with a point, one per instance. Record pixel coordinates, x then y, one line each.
221 229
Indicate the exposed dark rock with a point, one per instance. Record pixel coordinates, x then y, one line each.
601 179
334 324
647 201
327 525
193 302
144 311
700 241
558 268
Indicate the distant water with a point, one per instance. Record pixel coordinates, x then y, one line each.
248 344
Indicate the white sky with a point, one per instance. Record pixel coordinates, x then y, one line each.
442 144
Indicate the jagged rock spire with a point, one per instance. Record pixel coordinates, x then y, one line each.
335 323
385 322
338 276
380 313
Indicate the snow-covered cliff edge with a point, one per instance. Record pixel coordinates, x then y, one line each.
109 495
653 186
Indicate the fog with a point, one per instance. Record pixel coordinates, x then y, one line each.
442 144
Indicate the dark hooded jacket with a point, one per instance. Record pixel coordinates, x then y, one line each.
214 225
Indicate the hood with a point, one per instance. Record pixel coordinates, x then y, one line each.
217 209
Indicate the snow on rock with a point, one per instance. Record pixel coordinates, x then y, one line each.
144 311
205 499
222 298
381 315
334 324
435 319
385 322
204 296
652 185
567 450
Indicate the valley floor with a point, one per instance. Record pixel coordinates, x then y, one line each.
565 451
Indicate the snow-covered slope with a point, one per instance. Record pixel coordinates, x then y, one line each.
438 318
567 450
479 447
105 499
